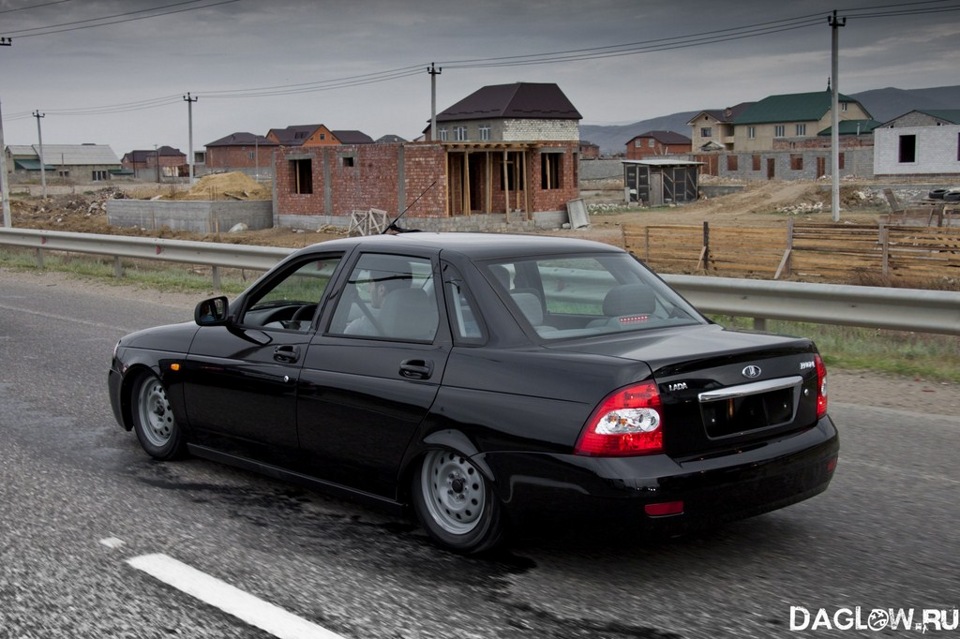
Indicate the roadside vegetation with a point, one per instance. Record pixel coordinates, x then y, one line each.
918 355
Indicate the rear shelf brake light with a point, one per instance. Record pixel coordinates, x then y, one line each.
627 422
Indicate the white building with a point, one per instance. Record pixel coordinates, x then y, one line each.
918 143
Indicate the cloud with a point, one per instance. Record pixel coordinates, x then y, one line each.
241 46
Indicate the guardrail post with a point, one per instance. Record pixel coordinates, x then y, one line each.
760 323
39 258
117 267
216 279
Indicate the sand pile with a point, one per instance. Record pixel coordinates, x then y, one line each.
233 186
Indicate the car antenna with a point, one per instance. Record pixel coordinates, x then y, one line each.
393 223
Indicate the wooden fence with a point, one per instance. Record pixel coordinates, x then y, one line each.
825 252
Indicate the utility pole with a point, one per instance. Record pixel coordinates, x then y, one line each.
434 72
190 102
43 166
835 24
4 191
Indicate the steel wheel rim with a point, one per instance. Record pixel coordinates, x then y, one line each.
156 417
453 490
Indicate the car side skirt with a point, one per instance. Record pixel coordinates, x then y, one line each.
336 490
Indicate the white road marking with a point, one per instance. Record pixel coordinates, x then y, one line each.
111 542
229 599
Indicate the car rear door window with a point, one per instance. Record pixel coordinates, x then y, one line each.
389 297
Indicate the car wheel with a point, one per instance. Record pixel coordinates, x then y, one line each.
456 504
153 419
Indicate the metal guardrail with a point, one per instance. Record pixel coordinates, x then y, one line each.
904 309
874 307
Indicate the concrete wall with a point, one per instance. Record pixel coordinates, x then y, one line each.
937 150
856 162
194 216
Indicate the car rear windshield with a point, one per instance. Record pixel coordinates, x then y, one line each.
562 297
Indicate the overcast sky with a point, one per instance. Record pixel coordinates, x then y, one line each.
362 64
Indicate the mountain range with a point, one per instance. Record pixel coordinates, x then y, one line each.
883 104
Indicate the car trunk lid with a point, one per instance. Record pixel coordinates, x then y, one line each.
724 394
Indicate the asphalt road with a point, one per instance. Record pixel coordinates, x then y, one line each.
79 501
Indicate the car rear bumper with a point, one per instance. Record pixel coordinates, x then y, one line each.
734 485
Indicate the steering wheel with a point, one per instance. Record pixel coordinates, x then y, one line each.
305 312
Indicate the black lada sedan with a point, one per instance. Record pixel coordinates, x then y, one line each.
478 379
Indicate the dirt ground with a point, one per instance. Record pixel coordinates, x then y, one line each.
759 204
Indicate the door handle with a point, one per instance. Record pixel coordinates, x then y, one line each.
416 368
286 354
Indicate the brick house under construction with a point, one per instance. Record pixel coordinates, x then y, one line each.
505 156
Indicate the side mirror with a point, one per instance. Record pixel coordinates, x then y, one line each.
212 312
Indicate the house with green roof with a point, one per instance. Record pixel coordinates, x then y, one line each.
919 143
789 121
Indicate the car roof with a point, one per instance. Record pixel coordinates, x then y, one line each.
472 245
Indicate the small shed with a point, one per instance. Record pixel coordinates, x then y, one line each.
659 181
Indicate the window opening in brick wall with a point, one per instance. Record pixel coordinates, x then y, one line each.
347 161
801 129
551 165
484 132
302 171
99 176
706 132
752 132
796 162
459 133
756 163
908 148
731 162
442 134
515 181
779 131
841 160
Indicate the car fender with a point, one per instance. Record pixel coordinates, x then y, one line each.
458 441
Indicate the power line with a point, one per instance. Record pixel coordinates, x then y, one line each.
704 38
119 18
33 6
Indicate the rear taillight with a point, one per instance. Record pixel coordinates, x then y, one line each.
821 386
627 422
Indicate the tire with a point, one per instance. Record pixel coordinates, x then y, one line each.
455 503
159 434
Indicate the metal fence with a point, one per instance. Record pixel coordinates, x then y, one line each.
875 307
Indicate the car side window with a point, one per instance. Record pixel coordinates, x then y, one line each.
290 302
388 296
465 321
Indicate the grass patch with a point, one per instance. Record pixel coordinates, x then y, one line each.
930 356
179 278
